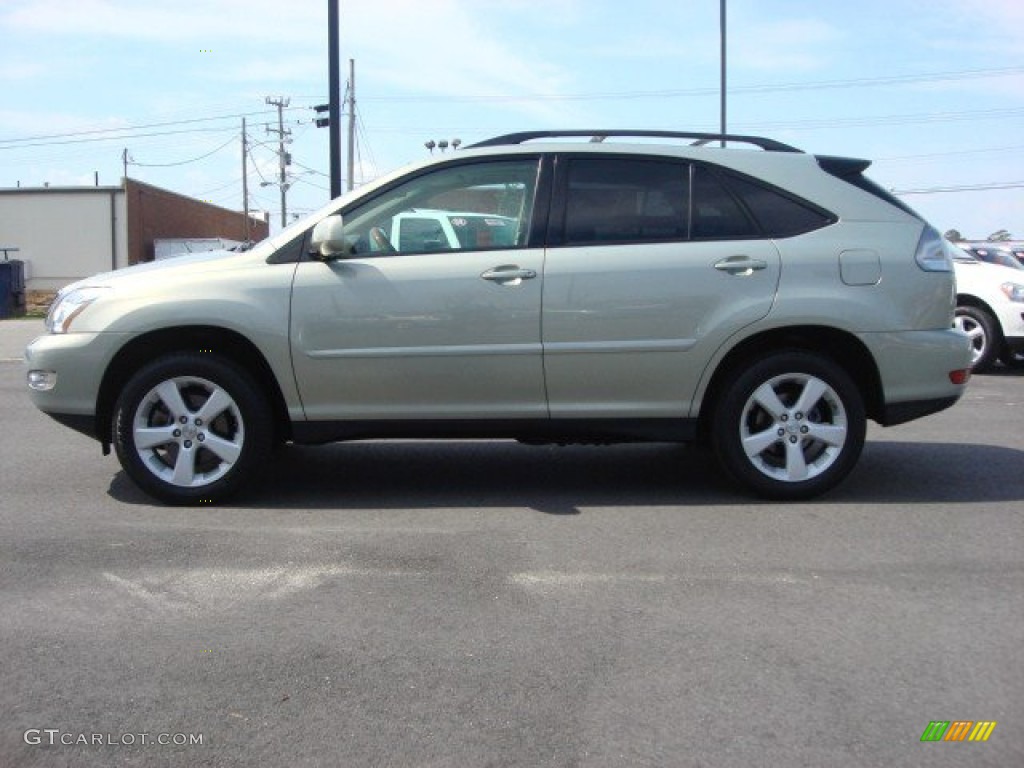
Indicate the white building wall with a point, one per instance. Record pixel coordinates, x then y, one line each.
64 235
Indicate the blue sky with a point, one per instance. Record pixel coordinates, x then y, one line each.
932 91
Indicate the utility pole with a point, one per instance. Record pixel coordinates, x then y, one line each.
283 159
245 183
351 122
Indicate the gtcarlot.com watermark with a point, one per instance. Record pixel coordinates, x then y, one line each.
56 737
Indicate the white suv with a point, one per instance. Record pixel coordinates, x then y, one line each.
765 301
990 310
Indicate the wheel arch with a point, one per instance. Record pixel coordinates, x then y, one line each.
970 300
226 343
841 347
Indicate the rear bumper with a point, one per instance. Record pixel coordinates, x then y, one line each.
900 413
914 369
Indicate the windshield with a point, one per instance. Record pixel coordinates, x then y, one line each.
959 254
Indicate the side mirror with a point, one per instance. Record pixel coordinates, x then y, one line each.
328 239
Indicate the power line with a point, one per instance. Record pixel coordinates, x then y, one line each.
120 133
956 153
863 82
219 188
365 141
905 119
122 129
301 180
115 138
997 185
184 162
311 170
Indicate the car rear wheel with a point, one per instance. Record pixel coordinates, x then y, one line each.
980 329
192 429
791 426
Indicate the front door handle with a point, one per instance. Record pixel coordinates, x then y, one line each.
740 266
509 274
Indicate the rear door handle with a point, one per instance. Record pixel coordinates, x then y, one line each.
740 266
510 274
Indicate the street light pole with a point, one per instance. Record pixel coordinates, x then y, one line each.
721 16
334 80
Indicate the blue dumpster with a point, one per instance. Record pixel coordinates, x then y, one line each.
12 288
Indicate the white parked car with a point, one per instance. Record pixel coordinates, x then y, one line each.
993 253
990 309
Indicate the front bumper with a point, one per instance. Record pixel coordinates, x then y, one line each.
76 362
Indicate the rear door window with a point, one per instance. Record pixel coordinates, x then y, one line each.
612 200
625 200
717 215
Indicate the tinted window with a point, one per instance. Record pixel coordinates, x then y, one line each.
716 213
614 200
778 214
466 205
291 251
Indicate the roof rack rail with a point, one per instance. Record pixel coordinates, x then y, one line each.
769 145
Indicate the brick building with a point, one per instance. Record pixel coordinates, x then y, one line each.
66 233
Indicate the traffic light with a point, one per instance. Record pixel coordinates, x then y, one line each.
322 122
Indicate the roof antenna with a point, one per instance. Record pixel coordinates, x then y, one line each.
597 139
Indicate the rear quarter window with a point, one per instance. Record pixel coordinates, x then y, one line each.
777 213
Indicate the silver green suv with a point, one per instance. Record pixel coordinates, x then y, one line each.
757 298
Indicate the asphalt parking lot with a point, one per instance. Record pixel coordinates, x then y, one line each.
485 603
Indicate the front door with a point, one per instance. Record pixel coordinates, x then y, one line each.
440 324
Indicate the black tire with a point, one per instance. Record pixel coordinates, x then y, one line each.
980 327
791 426
1012 359
192 429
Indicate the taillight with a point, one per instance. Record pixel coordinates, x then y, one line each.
960 376
933 252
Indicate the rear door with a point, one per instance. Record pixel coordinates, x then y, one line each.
653 264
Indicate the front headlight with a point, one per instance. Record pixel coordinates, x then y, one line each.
1013 291
70 305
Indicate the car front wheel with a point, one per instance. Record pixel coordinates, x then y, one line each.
192 429
791 426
